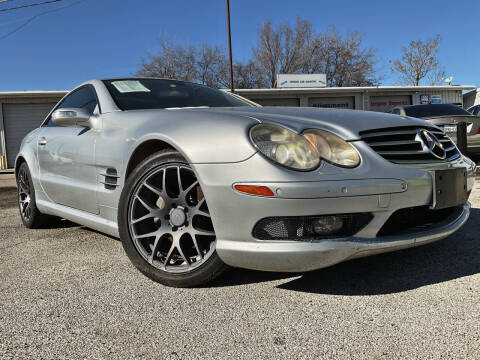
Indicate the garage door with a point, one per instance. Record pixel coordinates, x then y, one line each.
20 119
387 103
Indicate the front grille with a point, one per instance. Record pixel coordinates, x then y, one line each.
402 144
301 228
416 219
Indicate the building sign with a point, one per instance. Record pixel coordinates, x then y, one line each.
346 102
301 80
387 103
424 99
436 99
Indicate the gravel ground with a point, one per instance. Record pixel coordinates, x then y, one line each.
70 292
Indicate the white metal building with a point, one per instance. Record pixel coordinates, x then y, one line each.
20 112
378 98
471 98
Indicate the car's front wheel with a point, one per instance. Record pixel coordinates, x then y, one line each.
165 225
32 218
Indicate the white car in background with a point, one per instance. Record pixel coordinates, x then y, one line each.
474 110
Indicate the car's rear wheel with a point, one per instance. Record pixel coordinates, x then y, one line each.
31 217
164 223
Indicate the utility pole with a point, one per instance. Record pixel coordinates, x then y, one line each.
227 4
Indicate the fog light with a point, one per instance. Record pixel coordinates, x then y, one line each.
310 228
327 225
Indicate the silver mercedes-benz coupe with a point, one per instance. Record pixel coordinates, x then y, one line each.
194 180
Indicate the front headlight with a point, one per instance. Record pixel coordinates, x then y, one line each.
285 147
333 148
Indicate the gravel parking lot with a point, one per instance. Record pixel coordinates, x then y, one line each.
70 292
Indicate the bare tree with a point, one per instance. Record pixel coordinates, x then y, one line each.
343 59
281 49
211 64
173 61
419 61
298 49
248 76
204 64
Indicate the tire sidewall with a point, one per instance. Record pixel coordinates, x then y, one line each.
33 207
210 269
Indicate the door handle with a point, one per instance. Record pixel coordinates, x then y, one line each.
42 141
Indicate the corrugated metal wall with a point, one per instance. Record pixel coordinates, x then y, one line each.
471 98
19 120
448 96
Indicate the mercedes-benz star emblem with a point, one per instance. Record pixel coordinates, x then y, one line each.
430 144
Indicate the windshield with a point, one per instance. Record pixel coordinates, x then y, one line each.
135 94
431 110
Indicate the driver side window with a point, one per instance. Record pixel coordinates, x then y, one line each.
83 98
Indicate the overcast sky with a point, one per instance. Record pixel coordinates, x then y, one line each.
108 38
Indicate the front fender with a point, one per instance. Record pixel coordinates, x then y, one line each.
199 137
28 153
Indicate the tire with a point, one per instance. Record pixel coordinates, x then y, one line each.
32 218
166 230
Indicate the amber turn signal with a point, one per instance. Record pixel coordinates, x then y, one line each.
254 190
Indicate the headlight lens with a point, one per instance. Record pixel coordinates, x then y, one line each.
333 148
285 147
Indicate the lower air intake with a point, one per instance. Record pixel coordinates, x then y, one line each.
310 228
417 219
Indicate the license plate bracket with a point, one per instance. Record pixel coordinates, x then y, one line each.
449 188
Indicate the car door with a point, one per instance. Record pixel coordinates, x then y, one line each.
66 156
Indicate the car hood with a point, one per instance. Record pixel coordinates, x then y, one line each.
346 123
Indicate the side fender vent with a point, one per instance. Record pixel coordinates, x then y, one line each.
110 179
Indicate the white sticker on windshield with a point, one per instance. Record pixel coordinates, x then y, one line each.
126 86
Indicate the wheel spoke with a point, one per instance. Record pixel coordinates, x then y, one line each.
180 188
169 254
195 243
24 183
188 189
149 215
147 235
200 203
198 211
164 181
203 213
145 205
203 232
152 188
154 248
180 251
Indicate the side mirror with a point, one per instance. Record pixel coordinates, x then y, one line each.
71 117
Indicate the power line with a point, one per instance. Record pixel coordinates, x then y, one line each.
28 5
29 20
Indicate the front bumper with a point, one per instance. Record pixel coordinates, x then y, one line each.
377 186
306 256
